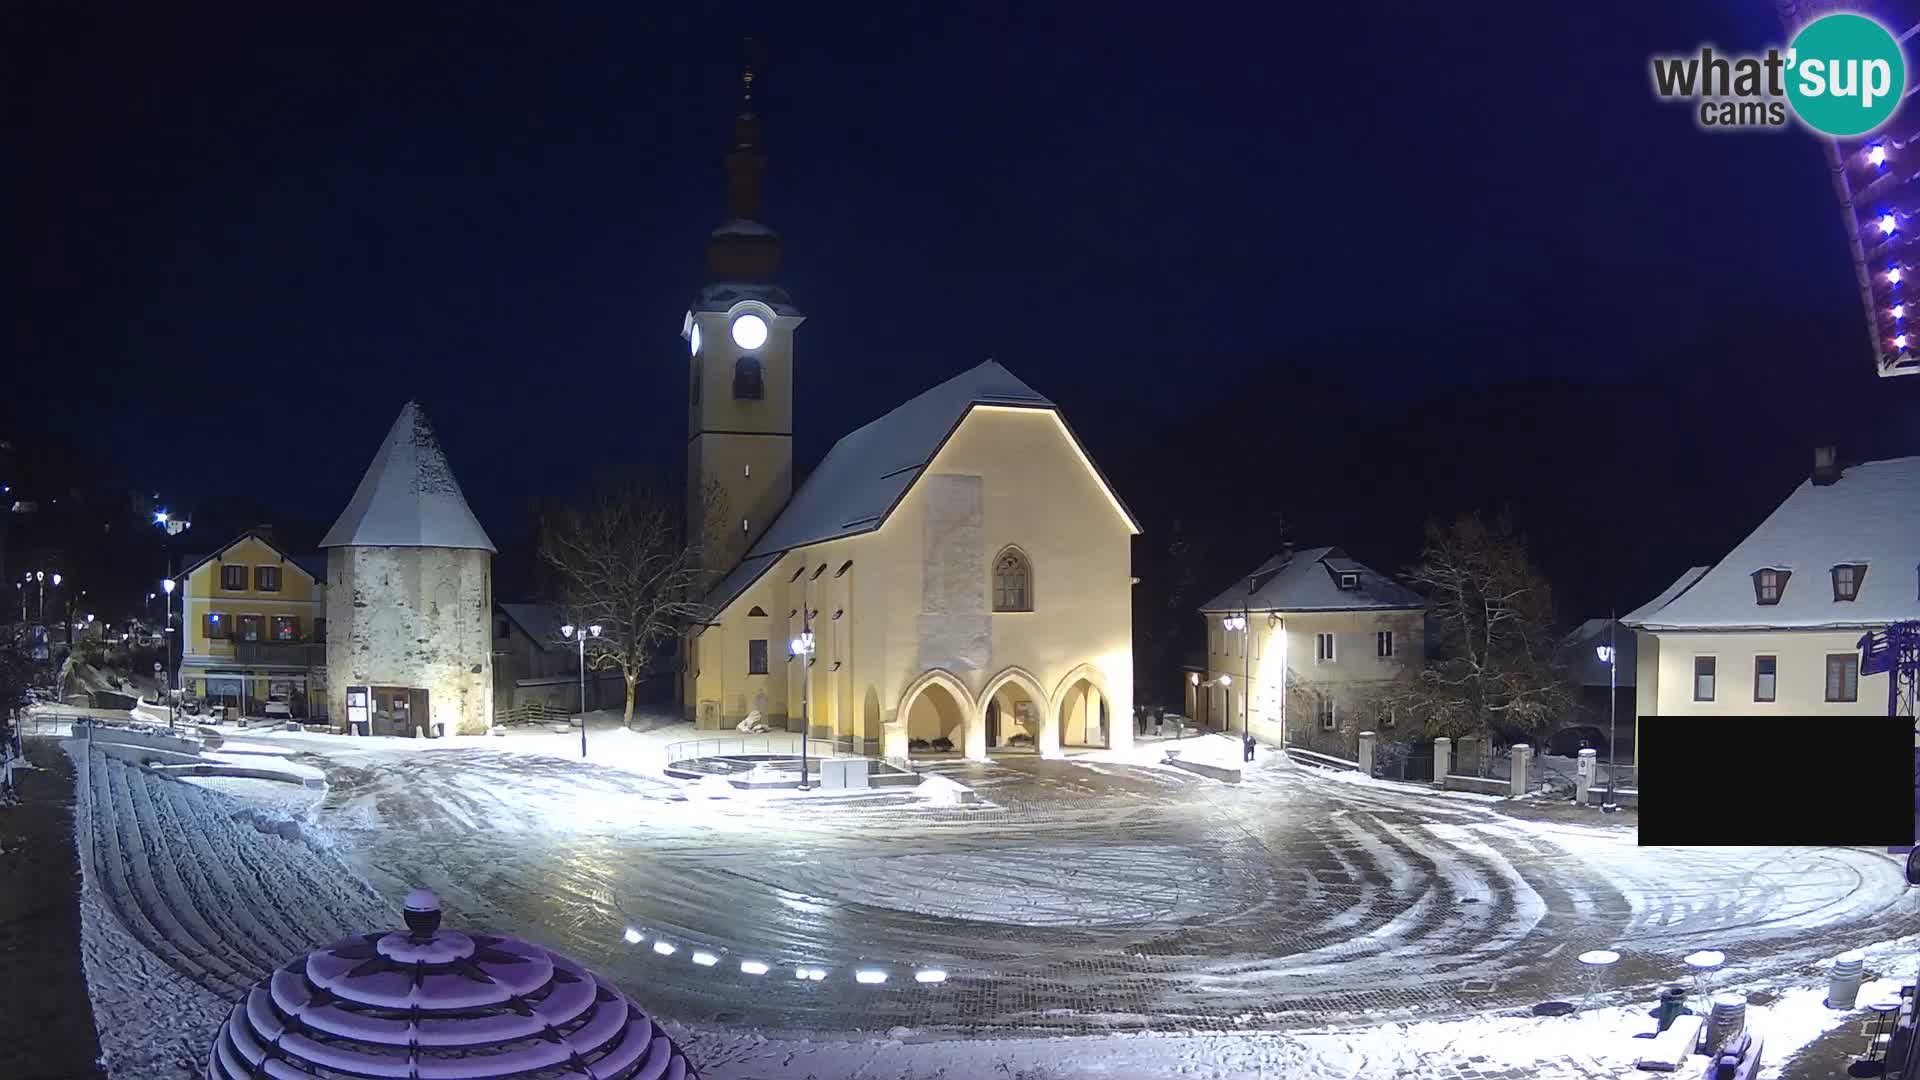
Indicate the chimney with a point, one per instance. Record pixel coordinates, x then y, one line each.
264 532
1826 466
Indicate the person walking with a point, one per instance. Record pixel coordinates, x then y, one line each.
1247 747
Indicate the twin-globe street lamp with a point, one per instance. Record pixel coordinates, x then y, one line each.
172 709
802 649
579 635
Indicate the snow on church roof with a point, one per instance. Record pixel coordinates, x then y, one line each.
409 497
869 470
1870 516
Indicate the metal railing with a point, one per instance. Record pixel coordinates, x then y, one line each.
771 743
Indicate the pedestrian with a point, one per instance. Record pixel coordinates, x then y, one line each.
1159 722
1247 747
1139 719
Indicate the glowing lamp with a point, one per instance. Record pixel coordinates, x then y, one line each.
633 936
1226 680
159 517
802 645
1899 342
566 631
750 331
1604 652
752 967
1877 155
594 629
705 959
1193 677
1899 311
1887 224
56 577
870 977
1893 274
693 339
167 585
663 948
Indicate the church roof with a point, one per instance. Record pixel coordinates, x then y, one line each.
867 473
408 498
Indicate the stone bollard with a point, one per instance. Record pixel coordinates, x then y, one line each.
1583 776
1366 753
1844 987
1521 756
1442 759
1726 1021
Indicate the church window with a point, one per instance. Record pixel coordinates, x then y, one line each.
757 656
801 569
746 379
817 573
758 612
1012 582
844 567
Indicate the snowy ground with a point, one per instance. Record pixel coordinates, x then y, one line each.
1093 917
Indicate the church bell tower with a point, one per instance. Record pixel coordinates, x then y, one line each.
739 332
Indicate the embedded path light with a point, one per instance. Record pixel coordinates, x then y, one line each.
431 1002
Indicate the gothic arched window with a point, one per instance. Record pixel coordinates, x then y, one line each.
746 379
1012 581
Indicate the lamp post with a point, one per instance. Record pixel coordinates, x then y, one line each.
167 633
1240 623
802 649
1607 657
580 634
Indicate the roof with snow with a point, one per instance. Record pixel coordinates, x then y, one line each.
1585 663
1309 580
867 473
540 622
1869 517
721 296
314 566
408 498
1680 584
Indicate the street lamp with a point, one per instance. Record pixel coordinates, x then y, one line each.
168 634
1239 623
580 634
1607 656
802 648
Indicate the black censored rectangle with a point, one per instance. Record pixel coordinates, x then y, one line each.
1777 781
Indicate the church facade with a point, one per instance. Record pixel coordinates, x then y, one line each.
954 576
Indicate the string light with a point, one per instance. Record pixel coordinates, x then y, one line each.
1893 274
1877 155
1900 341
1887 224
1899 311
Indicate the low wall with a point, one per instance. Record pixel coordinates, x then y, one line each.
1215 772
1480 784
1324 761
138 736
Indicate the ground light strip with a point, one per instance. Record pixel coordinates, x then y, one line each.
803 973
705 959
752 967
663 948
870 976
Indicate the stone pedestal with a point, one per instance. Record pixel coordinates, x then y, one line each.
1366 753
1442 759
1522 758
1583 776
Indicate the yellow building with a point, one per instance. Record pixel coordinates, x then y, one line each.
960 568
1298 650
253 624
1775 627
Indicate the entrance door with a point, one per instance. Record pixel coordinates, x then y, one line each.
391 712
993 723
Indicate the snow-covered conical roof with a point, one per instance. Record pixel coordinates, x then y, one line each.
427 1002
409 497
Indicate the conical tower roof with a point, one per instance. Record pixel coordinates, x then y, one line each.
409 497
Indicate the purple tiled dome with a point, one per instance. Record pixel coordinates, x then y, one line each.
431 1003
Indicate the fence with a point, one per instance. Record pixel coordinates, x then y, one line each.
782 743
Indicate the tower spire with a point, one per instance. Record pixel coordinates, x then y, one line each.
743 248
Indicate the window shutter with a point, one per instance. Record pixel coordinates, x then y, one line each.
206 626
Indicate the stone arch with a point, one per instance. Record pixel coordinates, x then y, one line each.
1047 738
972 735
1074 715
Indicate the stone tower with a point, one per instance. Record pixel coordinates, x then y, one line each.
740 384
410 594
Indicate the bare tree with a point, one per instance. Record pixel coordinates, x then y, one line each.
1490 666
625 563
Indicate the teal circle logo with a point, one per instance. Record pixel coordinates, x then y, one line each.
1846 75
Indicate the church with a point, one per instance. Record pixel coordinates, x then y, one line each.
953 577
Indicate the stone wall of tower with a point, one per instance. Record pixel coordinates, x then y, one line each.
413 617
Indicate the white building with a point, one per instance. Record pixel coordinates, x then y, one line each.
1775 626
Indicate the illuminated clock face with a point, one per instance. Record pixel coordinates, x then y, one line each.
693 339
749 332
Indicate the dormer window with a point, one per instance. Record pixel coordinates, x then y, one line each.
1846 580
1770 585
1349 582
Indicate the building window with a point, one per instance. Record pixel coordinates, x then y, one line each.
1012 582
1349 582
1383 714
1703 667
233 578
1770 585
250 628
286 628
757 612
1383 644
1213 637
757 656
1846 580
1327 711
1843 677
266 578
215 625
747 384
1766 680
1323 649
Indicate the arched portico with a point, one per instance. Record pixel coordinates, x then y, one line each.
1083 709
937 705
1022 707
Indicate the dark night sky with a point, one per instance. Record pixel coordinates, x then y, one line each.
286 223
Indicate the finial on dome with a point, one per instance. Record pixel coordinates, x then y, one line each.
422 912
746 75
